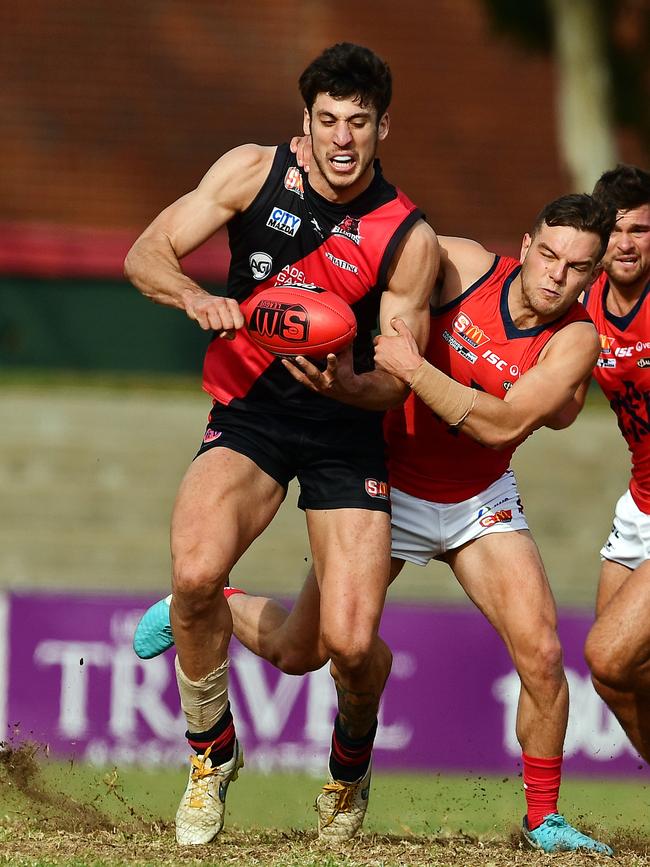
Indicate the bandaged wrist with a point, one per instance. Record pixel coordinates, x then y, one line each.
450 400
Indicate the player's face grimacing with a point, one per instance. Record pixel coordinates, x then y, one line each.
627 259
344 139
558 264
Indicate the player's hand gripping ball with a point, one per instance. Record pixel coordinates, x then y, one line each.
300 319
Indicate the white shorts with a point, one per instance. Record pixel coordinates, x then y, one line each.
422 530
629 541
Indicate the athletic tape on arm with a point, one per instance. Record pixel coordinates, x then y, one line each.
450 400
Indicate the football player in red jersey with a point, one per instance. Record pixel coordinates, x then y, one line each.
346 228
509 345
618 646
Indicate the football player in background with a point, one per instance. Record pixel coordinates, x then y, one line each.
618 645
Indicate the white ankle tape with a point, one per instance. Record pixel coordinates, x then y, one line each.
203 701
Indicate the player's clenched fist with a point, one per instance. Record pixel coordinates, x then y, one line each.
214 313
398 354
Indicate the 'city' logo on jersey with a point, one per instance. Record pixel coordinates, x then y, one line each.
293 181
349 228
261 264
375 488
502 516
449 338
471 333
283 221
606 362
288 321
643 362
341 263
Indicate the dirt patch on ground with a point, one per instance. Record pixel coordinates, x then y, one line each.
36 805
287 849
40 825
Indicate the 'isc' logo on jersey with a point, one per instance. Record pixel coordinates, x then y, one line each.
470 333
288 321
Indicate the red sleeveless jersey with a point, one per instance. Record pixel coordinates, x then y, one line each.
474 340
291 234
623 373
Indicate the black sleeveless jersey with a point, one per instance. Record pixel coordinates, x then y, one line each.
291 234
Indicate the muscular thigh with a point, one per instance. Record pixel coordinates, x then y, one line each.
503 574
224 502
351 551
623 621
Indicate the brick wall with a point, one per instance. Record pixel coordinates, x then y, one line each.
113 109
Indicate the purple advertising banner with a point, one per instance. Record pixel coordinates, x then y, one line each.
69 678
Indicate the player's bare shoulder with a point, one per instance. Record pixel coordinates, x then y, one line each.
462 262
416 259
237 176
576 346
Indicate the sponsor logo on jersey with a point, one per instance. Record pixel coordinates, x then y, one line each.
471 333
643 362
606 344
623 351
341 263
288 321
502 516
290 274
606 362
283 221
641 345
316 227
293 182
375 488
459 348
349 228
498 362
507 385
211 435
261 264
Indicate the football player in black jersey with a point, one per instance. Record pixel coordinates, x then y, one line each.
265 428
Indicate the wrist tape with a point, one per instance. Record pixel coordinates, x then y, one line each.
450 400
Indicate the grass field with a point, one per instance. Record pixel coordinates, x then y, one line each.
74 815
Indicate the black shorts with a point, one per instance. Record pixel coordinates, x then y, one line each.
339 464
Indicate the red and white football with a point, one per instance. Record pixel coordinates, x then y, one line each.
297 319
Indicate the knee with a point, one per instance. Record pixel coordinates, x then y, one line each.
607 665
349 651
541 662
298 660
196 588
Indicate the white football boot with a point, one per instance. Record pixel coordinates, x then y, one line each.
201 812
341 808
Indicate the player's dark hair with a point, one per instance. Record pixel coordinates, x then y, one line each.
579 211
348 71
625 187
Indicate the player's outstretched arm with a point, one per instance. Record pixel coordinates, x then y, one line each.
153 262
539 395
